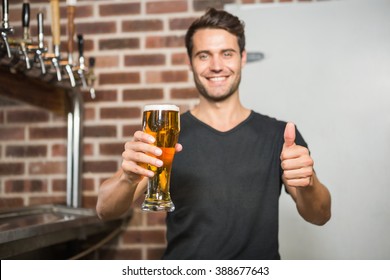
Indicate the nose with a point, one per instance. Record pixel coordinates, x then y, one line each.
216 64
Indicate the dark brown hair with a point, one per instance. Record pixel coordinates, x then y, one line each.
217 19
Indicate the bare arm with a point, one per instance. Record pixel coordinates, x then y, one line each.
312 198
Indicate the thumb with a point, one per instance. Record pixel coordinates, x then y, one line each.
289 134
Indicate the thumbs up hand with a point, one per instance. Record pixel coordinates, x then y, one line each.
296 161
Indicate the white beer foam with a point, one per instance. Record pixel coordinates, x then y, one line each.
160 107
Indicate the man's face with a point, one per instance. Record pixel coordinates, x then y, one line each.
216 63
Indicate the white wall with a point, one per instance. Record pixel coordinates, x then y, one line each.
327 68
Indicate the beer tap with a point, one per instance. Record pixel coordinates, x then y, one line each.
81 68
40 50
70 11
26 33
91 77
55 30
6 28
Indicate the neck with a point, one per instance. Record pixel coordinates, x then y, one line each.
222 116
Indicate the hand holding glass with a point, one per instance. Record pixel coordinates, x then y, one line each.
163 123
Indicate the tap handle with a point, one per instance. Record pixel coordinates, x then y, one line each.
55 25
92 61
26 20
5 14
80 40
40 30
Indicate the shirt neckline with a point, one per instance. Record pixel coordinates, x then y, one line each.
216 131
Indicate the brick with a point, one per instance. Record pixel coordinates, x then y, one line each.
165 41
25 186
59 185
100 166
165 7
114 149
8 203
88 149
53 167
156 219
96 27
100 131
11 168
179 59
108 61
59 150
89 201
142 25
155 253
26 151
184 93
143 94
88 184
129 130
80 12
48 132
120 113
144 236
103 95
202 5
89 114
119 9
29 116
11 133
117 44
166 76
119 78
181 23
39 200
144 60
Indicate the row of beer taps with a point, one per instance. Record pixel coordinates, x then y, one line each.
33 58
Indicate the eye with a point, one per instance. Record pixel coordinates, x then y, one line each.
203 56
228 54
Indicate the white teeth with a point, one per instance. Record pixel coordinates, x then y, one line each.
217 79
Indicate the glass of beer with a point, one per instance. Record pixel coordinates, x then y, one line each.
163 123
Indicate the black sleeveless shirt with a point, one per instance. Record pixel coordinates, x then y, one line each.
226 188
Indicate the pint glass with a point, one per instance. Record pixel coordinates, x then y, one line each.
163 123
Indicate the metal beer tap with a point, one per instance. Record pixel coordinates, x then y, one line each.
6 28
55 30
40 48
81 68
91 77
26 33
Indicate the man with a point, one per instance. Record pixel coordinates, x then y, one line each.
230 164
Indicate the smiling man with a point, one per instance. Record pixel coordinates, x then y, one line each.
230 164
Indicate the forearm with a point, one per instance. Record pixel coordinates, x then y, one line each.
115 196
313 202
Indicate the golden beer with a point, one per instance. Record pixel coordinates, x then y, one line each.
163 123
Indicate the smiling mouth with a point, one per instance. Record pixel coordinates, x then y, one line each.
217 79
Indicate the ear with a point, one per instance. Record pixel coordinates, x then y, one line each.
188 62
243 58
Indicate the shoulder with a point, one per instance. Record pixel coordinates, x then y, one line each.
266 122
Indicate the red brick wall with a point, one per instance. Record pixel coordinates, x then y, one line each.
140 58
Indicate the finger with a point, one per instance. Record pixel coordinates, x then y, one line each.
303 182
135 171
297 163
301 173
143 137
294 152
289 134
178 147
